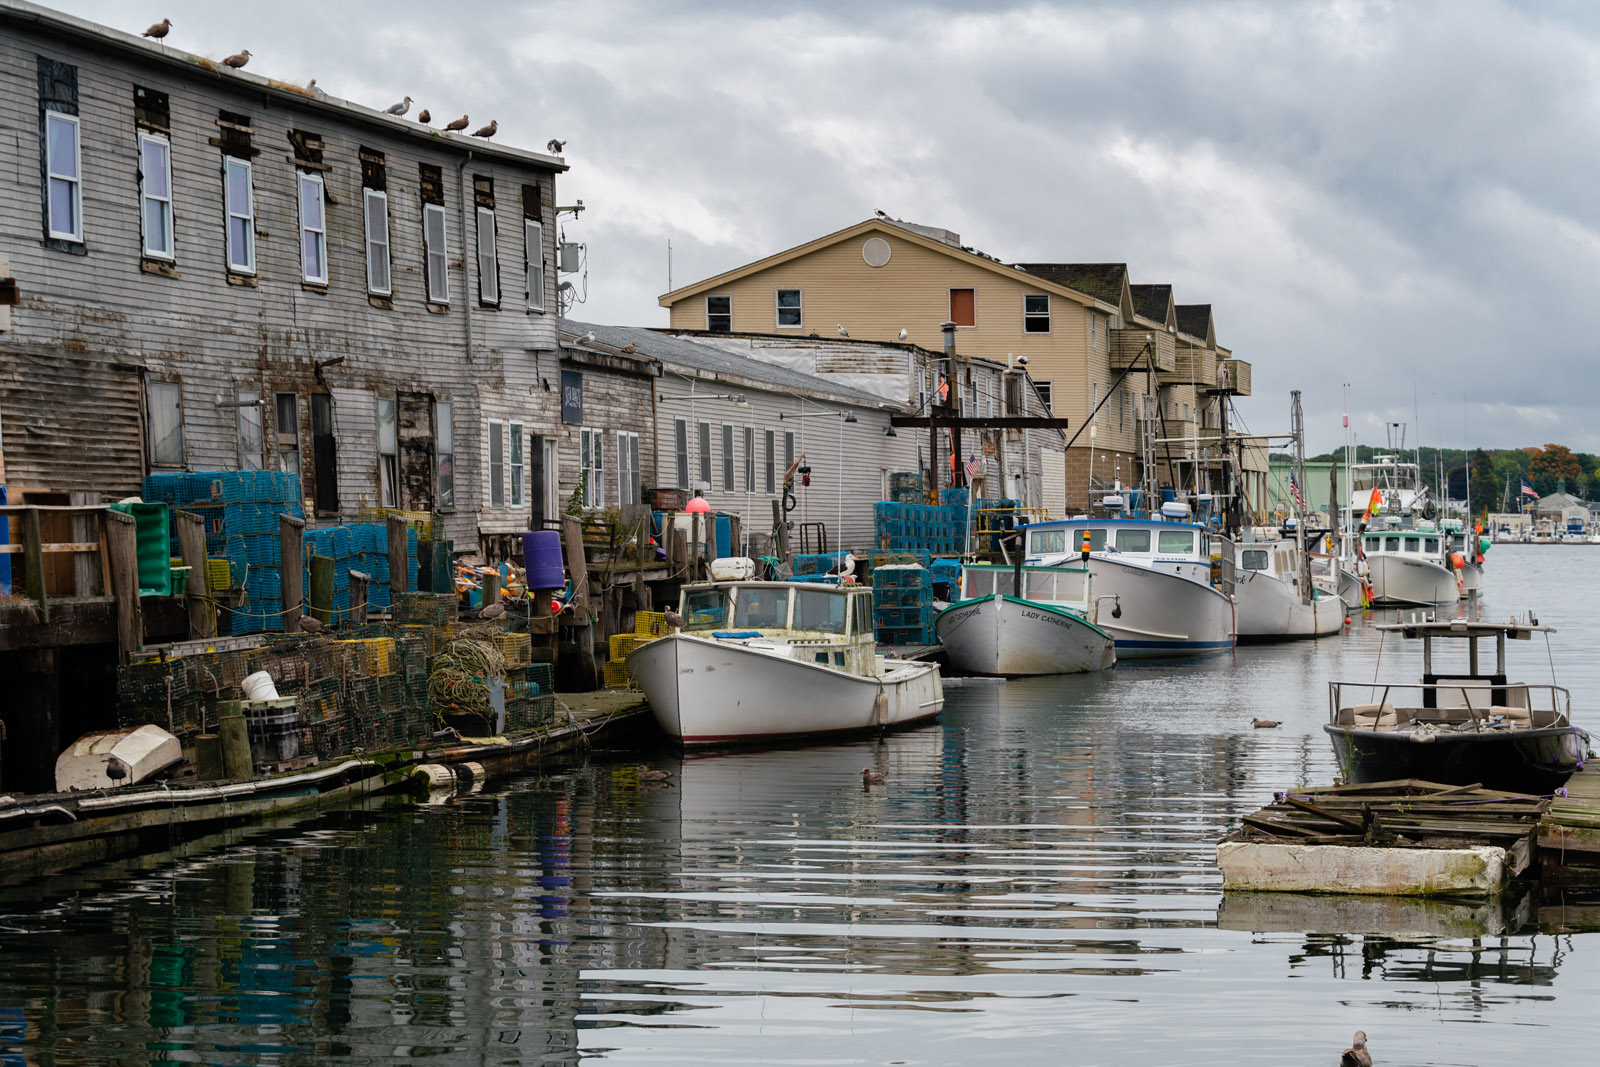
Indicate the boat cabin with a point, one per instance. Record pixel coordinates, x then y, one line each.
1180 548
1423 544
1047 585
1481 696
825 624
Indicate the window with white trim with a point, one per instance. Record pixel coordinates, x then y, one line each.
435 235
252 441
375 208
517 466
719 314
705 453
591 444
497 463
533 244
789 307
680 448
727 457
163 404
239 199
488 259
627 468
313 230
1036 313
749 458
155 196
388 455
444 451
64 167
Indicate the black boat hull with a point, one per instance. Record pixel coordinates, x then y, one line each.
1521 761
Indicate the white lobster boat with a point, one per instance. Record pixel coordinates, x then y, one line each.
1170 599
1406 567
1272 603
778 661
1042 628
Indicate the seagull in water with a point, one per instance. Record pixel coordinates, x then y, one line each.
237 61
870 777
399 109
159 30
842 331
1264 724
487 131
457 124
1357 1055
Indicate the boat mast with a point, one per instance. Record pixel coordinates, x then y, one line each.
1297 427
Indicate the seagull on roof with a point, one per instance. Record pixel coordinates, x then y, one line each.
239 60
487 131
842 331
555 146
424 116
882 214
457 124
903 334
311 87
399 109
159 30
589 337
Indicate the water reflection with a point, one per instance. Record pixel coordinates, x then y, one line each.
1034 882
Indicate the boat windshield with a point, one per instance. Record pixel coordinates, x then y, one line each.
1176 542
760 608
818 610
1254 559
1046 542
705 609
1133 540
1413 544
1433 544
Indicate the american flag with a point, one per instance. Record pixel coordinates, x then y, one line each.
1294 491
1528 490
974 465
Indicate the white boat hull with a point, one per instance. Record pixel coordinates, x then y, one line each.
705 691
1005 636
1270 609
1471 580
1161 614
1410 580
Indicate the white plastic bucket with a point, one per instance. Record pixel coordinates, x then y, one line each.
258 686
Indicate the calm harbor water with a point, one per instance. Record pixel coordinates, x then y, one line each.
1034 884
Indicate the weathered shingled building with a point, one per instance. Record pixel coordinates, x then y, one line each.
217 270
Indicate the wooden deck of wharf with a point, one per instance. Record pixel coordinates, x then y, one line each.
1569 833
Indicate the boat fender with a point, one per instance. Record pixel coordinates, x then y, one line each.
880 708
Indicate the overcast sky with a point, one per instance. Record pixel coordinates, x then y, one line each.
1398 196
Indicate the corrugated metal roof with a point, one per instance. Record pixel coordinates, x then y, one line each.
694 354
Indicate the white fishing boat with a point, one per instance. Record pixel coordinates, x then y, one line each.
1044 627
1276 598
1170 580
1406 567
778 661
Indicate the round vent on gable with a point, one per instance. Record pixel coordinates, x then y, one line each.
875 251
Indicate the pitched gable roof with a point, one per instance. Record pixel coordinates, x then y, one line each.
1195 320
917 235
1152 302
1105 282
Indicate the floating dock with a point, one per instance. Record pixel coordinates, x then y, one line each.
1569 833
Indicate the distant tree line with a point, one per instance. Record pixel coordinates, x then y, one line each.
1496 473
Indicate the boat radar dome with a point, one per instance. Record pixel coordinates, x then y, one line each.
1175 509
1113 502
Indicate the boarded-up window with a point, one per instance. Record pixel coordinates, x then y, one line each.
324 454
150 110
964 307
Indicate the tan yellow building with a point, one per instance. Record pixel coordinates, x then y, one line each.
1078 326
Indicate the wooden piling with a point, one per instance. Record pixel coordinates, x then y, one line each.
192 545
33 561
358 596
208 760
122 547
235 735
290 533
322 589
399 576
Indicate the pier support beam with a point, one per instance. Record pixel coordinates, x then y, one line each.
292 560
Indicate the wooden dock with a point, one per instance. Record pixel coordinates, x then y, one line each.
1569 833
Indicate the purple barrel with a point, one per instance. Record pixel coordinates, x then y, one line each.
541 554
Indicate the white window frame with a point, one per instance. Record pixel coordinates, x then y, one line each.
377 244
388 457
704 441
229 163
303 181
769 438
798 309
497 463
152 390
592 461
719 296
73 180
444 453
627 468
146 196
729 464
438 285
488 257
680 449
516 462
533 242
749 458
251 423
1045 314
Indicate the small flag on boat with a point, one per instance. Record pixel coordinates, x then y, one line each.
1294 491
1373 504
1528 490
974 465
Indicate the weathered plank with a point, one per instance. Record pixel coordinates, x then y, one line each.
192 543
123 550
289 545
